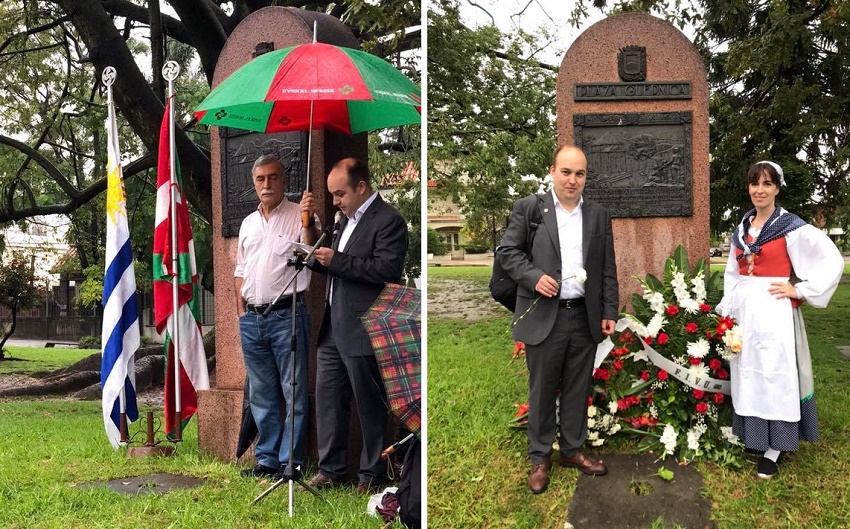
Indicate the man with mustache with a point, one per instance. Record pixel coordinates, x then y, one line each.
559 249
265 243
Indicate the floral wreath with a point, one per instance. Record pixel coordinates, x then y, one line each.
662 379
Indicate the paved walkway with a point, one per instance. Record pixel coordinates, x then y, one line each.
21 342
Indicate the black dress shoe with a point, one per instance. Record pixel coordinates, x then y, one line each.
767 468
259 471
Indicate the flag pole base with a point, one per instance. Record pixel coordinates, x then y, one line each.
149 451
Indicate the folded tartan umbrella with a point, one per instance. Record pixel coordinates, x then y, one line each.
393 323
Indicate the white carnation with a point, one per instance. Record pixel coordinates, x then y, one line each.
591 422
691 306
699 348
655 324
612 406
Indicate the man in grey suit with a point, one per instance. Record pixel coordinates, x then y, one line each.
551 242
367 252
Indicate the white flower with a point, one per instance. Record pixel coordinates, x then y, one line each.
669 438
640 355
592 436
678 281
656 302
636 325
693 436
579 275
597 442
699 288
733 338
699 349
614 429
612 406
655 324
653 411
591 411
591 422
691 306
699 370
729 436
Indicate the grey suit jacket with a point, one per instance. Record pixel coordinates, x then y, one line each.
373 257
601 288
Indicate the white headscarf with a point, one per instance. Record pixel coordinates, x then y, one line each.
778 170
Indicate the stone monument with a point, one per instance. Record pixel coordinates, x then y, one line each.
233 153
632 93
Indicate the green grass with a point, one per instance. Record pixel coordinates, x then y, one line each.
48 447
477 466
28 360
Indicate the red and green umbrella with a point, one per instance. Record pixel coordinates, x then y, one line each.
332 87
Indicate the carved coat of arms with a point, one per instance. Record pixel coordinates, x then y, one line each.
631 63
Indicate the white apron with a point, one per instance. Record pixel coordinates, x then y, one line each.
764 374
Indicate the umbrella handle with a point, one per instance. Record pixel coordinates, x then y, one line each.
305 219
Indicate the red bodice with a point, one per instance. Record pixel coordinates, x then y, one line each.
771 261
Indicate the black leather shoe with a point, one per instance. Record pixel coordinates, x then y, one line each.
259 471
767 468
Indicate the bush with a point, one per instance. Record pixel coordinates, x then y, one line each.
436 245
476 248
90 342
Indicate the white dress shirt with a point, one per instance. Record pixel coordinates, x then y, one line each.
572 257
346 233
263 251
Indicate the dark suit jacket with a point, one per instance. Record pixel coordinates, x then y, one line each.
373 257
601 288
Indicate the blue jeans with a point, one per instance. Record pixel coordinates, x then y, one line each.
266 349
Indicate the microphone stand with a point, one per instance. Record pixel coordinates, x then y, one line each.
292 473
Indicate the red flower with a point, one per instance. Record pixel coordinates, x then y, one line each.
691 327
662 375
522 409
519 349
589 401
722 374
695 361
622 404
662 338
698 393
702 407
635 422
709 335
632 400
718 398
648 340
626 336
705 307
672 310
601 374
644 375
714 364
618 365
724 325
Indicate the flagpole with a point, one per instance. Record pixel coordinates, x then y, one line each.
305 216
108 78
170 71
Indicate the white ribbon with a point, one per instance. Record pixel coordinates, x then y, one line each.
680 373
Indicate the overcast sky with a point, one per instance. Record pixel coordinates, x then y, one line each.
529 15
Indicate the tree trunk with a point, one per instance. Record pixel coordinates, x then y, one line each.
11 329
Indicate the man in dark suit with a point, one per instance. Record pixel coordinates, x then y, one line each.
560 315
367 252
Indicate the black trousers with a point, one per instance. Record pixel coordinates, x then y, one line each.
564 360
338 379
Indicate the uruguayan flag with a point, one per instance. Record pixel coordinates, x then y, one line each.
120 334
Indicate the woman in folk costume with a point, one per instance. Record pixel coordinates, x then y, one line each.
772 384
